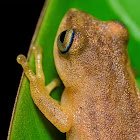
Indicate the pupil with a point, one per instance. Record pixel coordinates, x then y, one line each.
62 36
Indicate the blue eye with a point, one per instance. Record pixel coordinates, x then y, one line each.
65 40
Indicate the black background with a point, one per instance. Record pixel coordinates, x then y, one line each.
18 22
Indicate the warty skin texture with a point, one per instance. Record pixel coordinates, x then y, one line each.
98 80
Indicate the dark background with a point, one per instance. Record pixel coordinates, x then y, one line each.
18 22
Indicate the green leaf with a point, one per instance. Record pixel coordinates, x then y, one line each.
27 121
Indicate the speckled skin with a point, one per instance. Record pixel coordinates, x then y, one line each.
98 79
101 98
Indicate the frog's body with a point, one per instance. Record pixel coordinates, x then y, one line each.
100 100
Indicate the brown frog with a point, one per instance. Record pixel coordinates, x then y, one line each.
101 97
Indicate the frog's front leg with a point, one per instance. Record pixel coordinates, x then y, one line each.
60 117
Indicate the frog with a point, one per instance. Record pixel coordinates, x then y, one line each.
100 100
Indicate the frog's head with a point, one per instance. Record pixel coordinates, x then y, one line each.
85 46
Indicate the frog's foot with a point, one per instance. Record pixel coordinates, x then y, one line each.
38 63
38 78
60 116
21 59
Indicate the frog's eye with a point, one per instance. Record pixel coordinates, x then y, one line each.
65 40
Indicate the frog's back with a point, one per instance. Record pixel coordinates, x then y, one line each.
105 114
98 80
